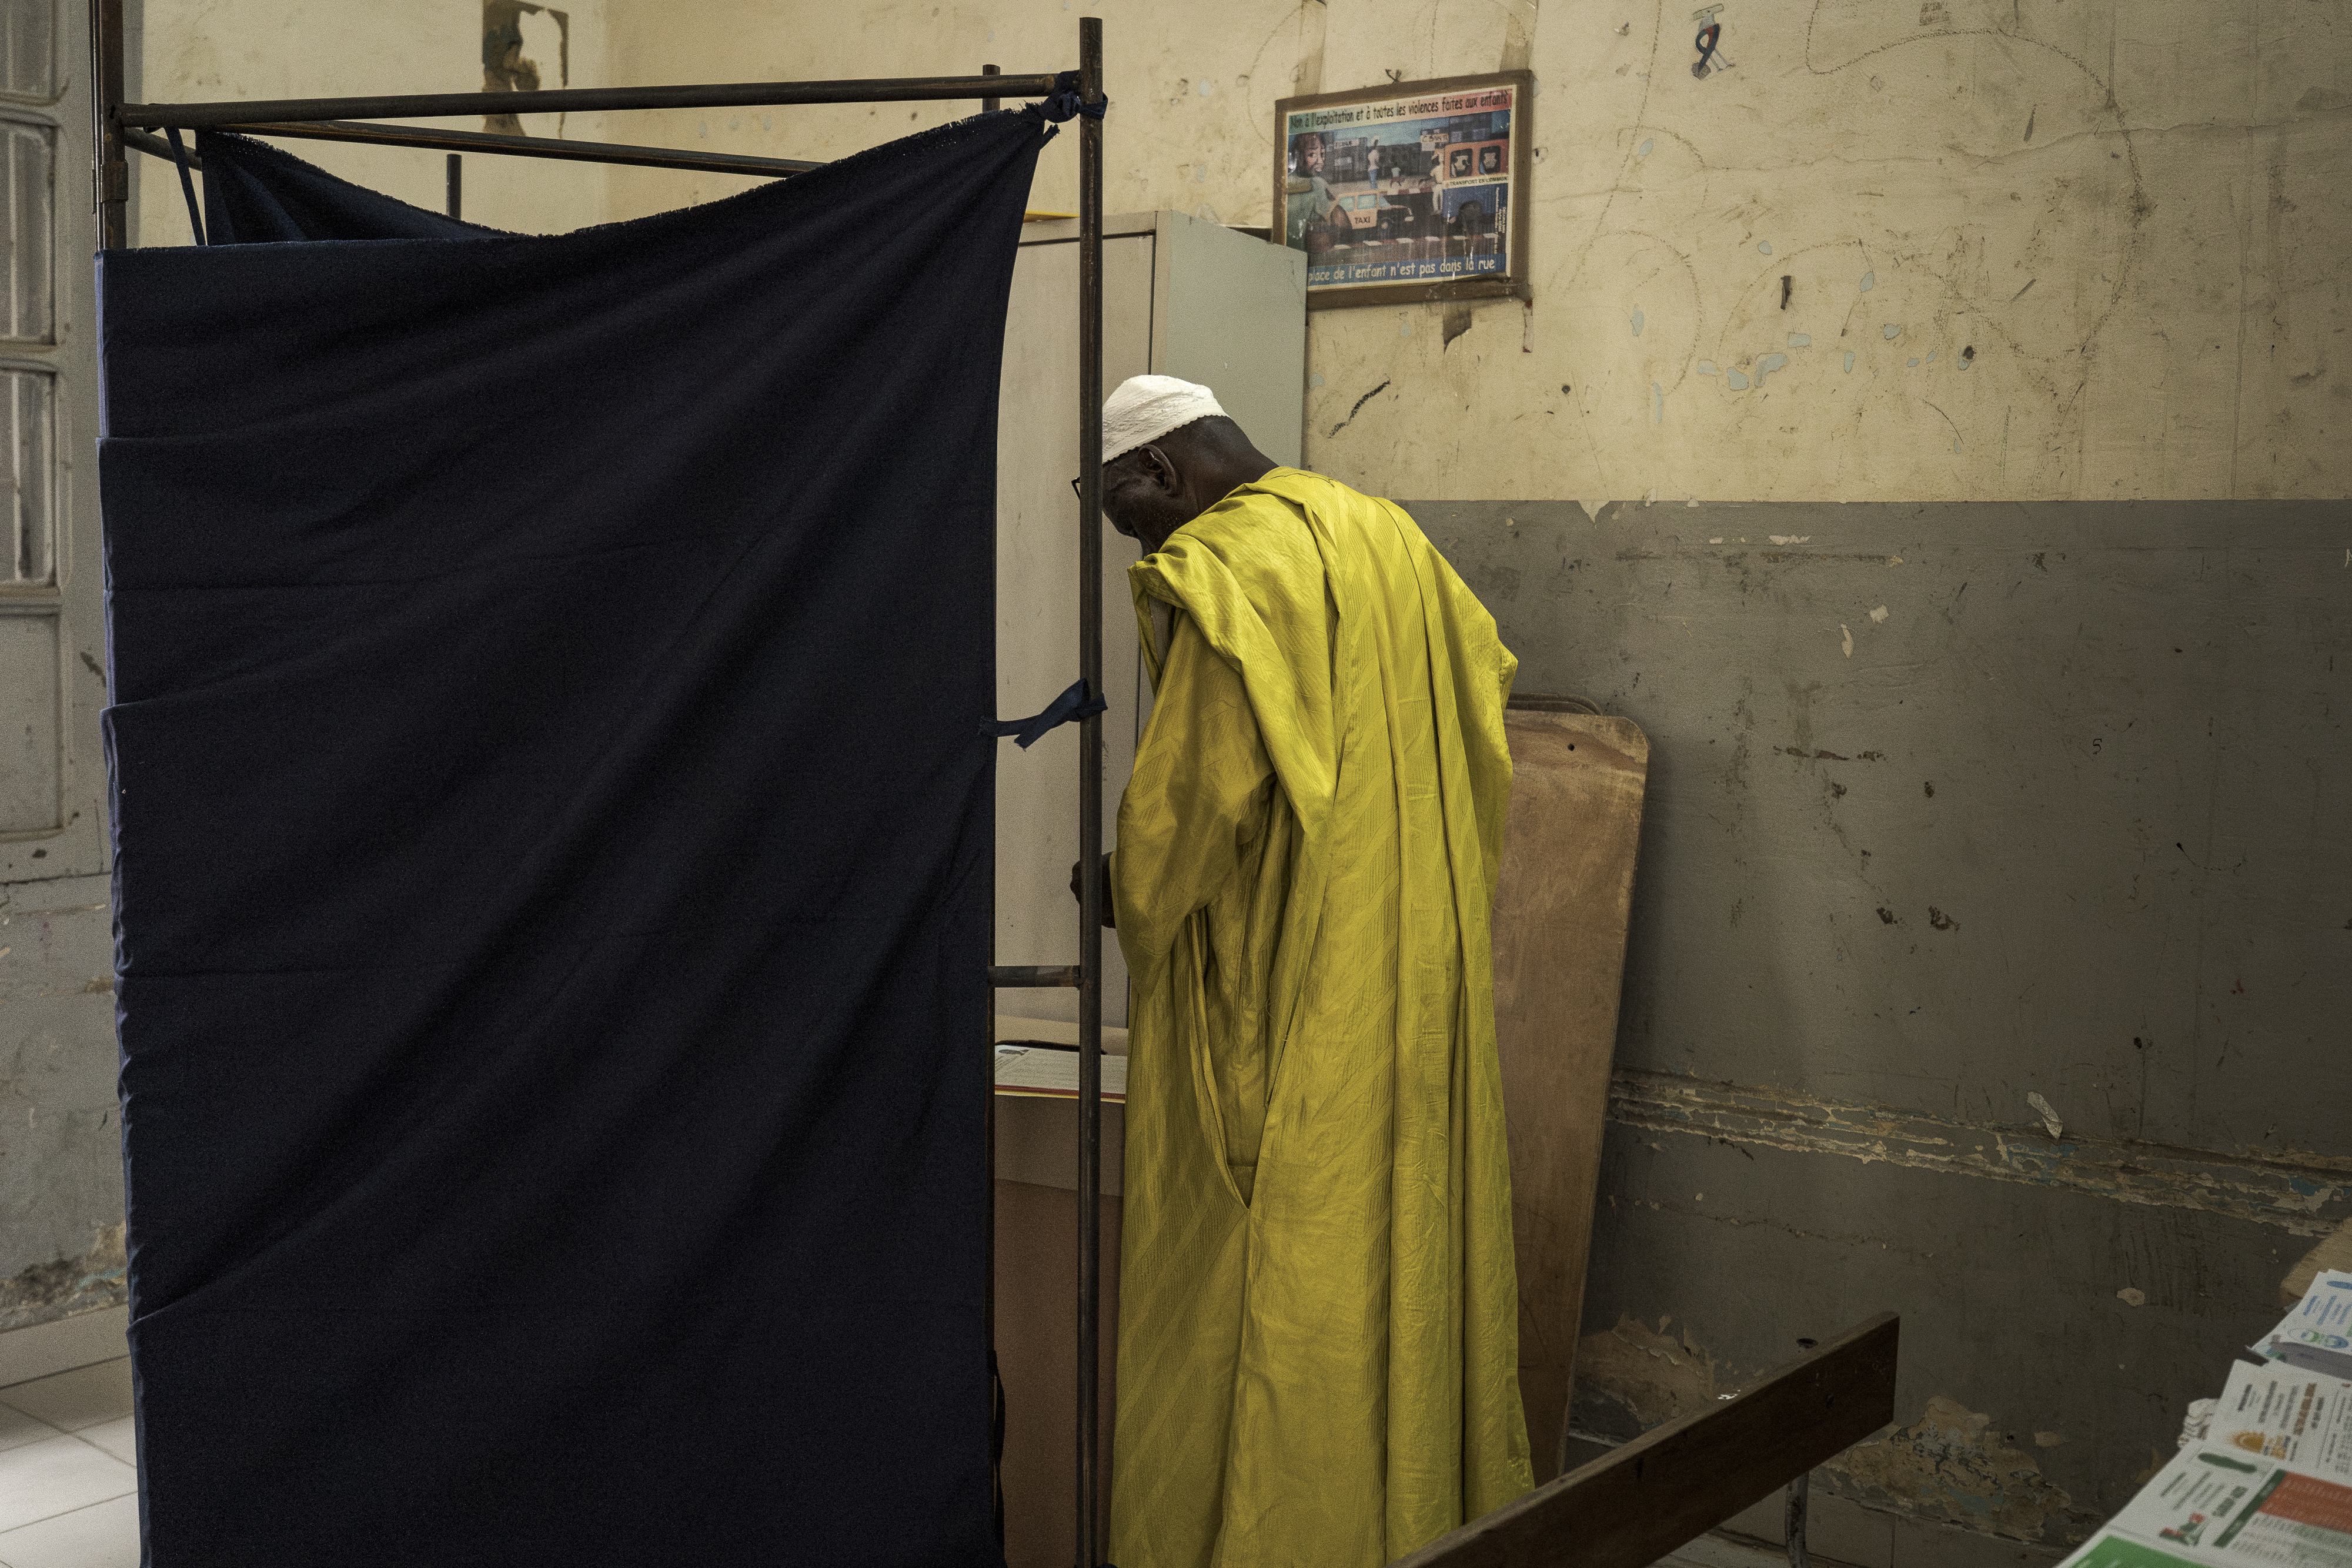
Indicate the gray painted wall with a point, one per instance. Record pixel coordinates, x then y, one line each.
1951 805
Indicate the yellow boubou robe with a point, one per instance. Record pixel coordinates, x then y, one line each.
1318 1320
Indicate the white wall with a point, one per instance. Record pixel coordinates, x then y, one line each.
2145 279
2129 211
1194 85
209 50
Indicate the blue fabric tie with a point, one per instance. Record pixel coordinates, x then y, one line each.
1064 103
187 182
1070 706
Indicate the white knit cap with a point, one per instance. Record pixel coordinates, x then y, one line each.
1146 408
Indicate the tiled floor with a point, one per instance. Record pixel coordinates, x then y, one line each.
68 1485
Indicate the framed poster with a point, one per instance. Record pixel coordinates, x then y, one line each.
1407 192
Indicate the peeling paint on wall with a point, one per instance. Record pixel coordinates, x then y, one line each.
1952 1467
507 28
67 1285
1631 1378
2301 1193
60 1124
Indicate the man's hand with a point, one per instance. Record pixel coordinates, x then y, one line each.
1108 919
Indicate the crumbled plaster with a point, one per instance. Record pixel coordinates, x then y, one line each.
60 1125
2301 1193
67 1285
1951 1467
1630 1378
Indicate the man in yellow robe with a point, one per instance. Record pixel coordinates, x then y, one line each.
1318 1344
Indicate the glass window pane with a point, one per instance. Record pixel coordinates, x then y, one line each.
28 49
27 182
29 487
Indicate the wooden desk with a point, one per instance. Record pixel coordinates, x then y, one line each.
1036 1304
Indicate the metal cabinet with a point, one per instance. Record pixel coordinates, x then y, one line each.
1181 297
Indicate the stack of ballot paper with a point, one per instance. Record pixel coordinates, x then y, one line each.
2270 1481
1045 1069
2317 1335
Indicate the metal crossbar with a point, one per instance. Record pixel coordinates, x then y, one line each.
583 100
442 141
119 125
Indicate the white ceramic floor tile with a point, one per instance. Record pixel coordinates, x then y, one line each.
72 1400
117 1437
57 1476
16 1428
103 1535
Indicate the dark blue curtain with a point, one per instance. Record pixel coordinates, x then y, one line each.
254 192
551 824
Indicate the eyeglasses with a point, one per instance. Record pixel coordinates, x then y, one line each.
1107 470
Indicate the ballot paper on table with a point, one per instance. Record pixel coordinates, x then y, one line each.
1046 1071
2278 1412
2224 1508
2316 1336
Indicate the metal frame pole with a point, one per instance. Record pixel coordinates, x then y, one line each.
996 1410
384 135
110 174
578 99
1091 779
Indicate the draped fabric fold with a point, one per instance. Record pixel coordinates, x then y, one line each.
255 193
551 868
